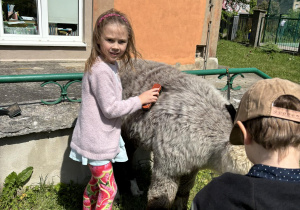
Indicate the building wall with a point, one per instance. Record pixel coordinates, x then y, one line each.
100 6
296 5
54 53
166 31
169 32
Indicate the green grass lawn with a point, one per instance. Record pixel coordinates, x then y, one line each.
235 55
69 196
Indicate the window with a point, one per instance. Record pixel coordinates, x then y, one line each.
41 22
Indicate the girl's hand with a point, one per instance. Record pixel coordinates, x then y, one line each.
149 96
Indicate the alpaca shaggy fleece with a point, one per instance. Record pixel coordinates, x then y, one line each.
187 129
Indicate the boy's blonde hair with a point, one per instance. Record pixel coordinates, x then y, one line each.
109 17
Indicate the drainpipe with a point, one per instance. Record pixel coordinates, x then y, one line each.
208 35
207 45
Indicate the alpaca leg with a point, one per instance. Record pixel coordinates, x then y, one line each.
162 191
124 171
186 184
122 176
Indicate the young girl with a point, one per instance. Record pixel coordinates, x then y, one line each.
96 139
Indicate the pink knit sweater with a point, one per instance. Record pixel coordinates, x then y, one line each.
97 131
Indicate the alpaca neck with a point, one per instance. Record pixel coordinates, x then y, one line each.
235 160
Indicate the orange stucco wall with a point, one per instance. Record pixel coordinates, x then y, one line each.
100 6
166 31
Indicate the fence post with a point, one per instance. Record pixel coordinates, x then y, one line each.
233 27
256 27
279 30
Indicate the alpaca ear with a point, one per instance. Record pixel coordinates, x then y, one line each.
247 139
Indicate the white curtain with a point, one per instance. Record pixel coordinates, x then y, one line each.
63 11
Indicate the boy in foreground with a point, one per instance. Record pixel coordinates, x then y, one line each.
268 124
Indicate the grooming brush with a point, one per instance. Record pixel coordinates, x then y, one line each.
148 106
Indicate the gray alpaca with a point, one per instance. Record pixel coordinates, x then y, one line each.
187 130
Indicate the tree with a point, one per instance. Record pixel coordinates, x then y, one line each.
263 5
274 6
294 13
253 5
235 5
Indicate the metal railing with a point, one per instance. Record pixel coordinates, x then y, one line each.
47 79
282 31
230 73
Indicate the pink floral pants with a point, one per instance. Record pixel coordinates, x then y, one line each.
101 190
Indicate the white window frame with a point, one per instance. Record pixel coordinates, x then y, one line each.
43 38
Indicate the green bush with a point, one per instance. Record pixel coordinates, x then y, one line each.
270 47
241 37
43 196
12 184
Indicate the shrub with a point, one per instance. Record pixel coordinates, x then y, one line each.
13 182
270 47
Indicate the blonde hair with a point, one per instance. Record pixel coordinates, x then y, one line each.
275 133
109 17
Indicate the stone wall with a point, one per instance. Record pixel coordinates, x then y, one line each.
40 138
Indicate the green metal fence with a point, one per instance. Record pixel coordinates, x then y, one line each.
244 28
283 31
47 79
72 78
